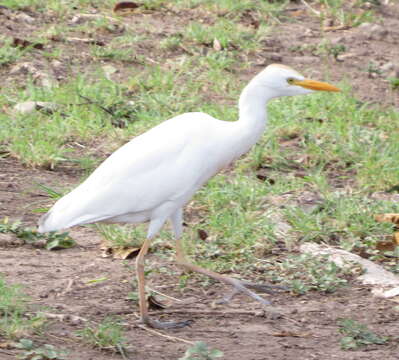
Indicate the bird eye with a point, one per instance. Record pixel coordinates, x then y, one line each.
290 81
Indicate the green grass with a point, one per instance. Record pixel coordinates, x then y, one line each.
30 351
122 235
52 240
341 15
303 273
107 335
357 334
201 351
229 34
14 322
9 53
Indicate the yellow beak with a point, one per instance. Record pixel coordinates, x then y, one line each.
315 85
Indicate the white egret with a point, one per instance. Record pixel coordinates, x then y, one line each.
152 177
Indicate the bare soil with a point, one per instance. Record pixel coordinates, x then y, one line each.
307 327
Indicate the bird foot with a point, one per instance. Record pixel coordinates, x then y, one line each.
156 324
245 286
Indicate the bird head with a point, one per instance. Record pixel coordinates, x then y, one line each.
285 81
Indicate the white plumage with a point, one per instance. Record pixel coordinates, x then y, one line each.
153 176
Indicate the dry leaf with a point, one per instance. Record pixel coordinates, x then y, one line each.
125 252
7 345
155 304
202 234
118 252
285 333
334 28
217 45
17 42
389 217
125 7
85 41
386 245
298 13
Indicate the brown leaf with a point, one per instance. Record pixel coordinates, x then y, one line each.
17 42
85 41
203 235
389 217
263 175
125 252
125 6
217 46
255 23
297 13
388 245
7 345
118 252
155 304
335 28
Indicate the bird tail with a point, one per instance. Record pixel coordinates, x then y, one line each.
46 223
67 212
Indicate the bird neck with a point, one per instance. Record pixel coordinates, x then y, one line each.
253 116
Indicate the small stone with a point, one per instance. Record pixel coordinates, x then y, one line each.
365 26
10 240
82 18
337 41
343 57
373 31
367 6
23 68
46 80
109 70
22 17
56 64
378 32
30 106
276 57
328 22
308 32
387 67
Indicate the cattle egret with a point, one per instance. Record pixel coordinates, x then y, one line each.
152 177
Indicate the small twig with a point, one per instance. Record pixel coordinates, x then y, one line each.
69 286
210 312
92 102
164 295
121 350
169 337
310 8
80 145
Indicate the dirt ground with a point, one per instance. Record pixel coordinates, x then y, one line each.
307 327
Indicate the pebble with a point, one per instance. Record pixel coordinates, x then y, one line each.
22 17
387 67
305 59
276 57
373 31
30 106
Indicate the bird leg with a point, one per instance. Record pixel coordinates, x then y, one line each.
142 298
239 285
